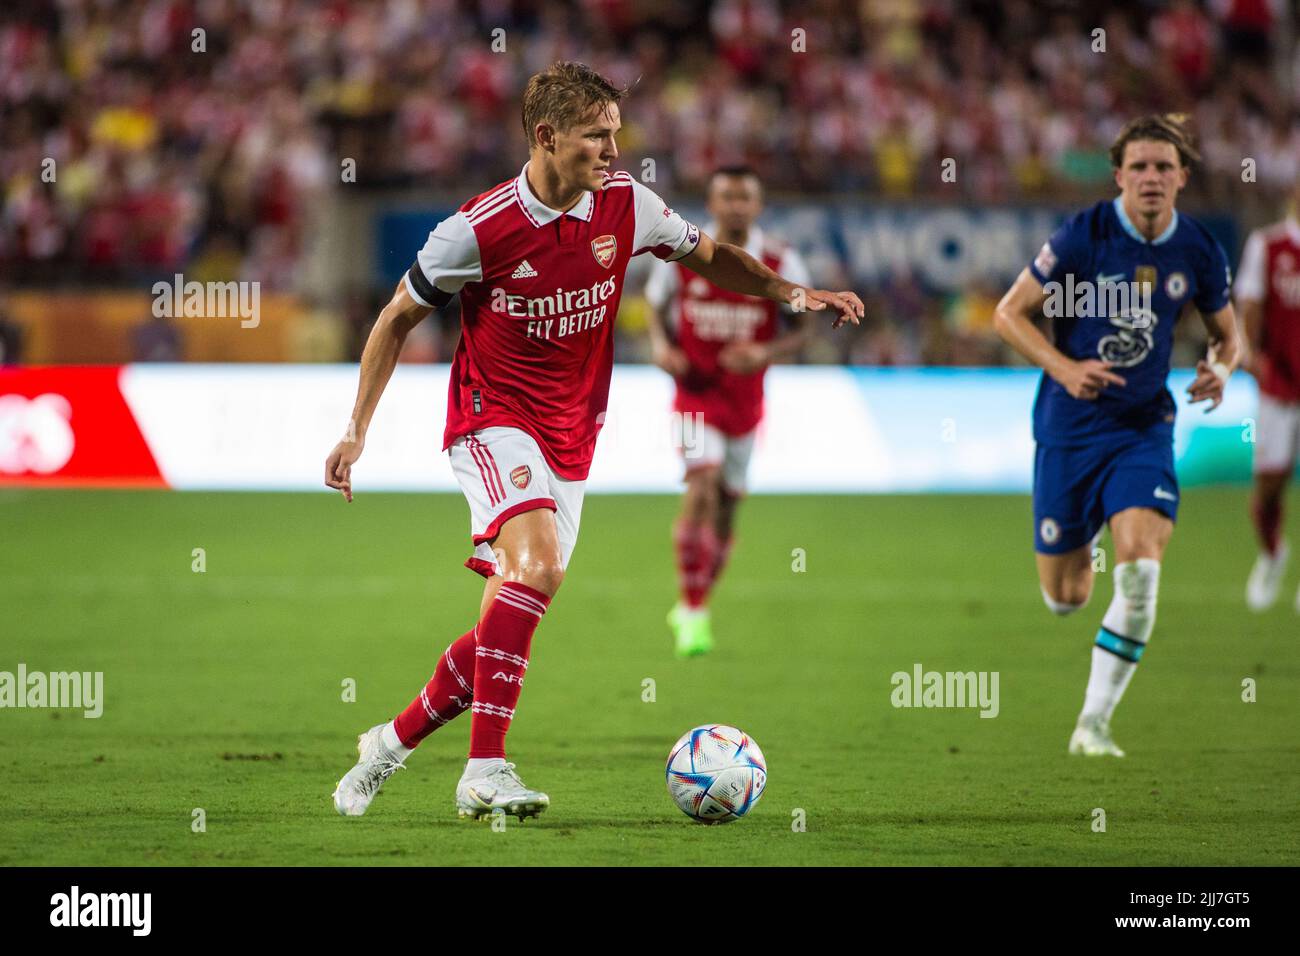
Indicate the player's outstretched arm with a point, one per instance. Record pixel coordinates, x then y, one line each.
734 269
1222 356
1014 321
396 319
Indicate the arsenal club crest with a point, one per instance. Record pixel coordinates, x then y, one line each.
604 248
521 476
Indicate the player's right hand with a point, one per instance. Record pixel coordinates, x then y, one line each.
670 358
1086 379
338 466
847 304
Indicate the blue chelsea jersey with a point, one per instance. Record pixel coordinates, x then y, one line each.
1101 247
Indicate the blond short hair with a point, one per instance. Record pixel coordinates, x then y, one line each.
564 95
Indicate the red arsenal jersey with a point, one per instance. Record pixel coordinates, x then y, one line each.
539 291
1270 274
708 319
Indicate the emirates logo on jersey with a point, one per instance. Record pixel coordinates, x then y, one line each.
521 476
604 248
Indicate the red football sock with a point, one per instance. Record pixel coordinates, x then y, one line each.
504 637
1267 515
447 695
697 547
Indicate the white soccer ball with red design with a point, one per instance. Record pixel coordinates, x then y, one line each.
716 773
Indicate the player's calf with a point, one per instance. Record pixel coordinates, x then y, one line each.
446 696
532 565
695 539
698 549
1266 575
1119 646
700 503
504 643
1065 580
728 502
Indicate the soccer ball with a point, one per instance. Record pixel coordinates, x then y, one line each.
716 773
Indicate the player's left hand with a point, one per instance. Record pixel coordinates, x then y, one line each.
742 358
847 304
1207 384
338 467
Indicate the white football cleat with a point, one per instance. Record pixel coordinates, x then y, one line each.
498 789
360 784
1266 579
1091 738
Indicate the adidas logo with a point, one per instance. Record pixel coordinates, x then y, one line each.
524 271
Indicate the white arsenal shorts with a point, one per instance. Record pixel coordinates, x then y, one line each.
1277 435
710 446
503 473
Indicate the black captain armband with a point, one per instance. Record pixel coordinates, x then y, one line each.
425 289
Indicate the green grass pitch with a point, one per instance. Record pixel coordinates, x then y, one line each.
224 689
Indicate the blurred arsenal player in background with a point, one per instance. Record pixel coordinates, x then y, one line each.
1268 293
717 344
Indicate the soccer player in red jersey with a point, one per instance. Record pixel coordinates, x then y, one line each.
539 263
722 343
1268 292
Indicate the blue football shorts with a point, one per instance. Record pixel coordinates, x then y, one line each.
1078 488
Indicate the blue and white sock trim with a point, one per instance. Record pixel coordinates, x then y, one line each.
1130 650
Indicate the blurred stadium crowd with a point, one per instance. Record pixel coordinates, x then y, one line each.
217 161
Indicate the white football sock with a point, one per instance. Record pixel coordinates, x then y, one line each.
1124 633
393 744
477 766
1106 683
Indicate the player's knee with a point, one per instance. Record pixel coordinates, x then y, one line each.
702 492
1269 490
704 479
543 573
1067 597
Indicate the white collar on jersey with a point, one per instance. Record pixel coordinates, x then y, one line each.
538 213
1132 230
1293 228
753 243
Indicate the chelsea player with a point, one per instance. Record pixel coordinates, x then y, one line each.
1103 417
